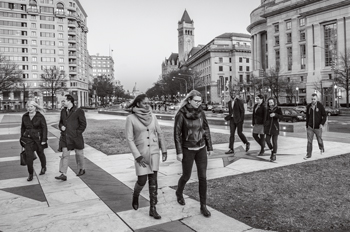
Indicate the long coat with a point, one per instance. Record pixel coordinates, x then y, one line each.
36 129
272 125
75 123
145 141
237 112
259 114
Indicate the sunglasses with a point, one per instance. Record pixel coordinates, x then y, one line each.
197 101
146 103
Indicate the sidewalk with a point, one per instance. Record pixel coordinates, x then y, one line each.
101 199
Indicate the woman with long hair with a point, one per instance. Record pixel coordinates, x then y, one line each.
258 121
34 136
272 126
193 144
145 139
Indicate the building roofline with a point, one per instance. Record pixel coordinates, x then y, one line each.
81 8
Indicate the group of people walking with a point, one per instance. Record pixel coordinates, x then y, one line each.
146 141
34 133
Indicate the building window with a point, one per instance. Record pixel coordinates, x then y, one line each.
288 79
60 35
34 50
240 59
248 78
277 40
290 58
220 60
33 42
230 60
33 33
276 27
301 79
303 56
240 78
289 25
302 35
61 60
60 43
34 67
277 56
302 22
240 68
60 51
35 75
33 25
247 60
330 41
247 68
34 59
289 37
60 27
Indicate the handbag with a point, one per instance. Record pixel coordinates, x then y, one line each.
227 117
23 157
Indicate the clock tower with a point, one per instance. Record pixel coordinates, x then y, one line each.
185 36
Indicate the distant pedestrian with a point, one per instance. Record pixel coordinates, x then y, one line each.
34 136
258 122
145 139
272 127
315 119
236 118
165 106
159 105
155 106
72 125
193 144
151 105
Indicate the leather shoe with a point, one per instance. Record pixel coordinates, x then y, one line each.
61 177
81 172
30 178
205 211
42 171
180 199
247 146
230 152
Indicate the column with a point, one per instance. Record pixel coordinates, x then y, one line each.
253 52
258 55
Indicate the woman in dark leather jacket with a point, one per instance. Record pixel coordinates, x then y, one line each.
258 121
34 136
272 126
193 143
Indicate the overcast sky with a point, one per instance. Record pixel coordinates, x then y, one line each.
142 33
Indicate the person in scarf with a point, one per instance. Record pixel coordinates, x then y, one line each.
258 121
34 136
192 143
315 119
145 139
272 127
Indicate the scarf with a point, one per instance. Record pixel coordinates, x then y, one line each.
191 112
144 115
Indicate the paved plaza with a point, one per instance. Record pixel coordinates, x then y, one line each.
100 200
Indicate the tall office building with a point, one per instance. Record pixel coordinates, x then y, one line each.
39 34
305 39
102 65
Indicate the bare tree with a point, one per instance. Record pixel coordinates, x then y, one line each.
274 81
342 75
53 81
290 89
10 74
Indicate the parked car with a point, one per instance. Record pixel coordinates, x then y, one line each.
291 115
204 106
332 111
219 109
301 109
174 107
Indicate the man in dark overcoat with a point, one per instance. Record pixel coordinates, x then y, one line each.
72 125
236 118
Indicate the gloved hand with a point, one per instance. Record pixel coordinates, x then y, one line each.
179 157
164 156
141 161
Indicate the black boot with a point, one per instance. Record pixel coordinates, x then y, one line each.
153 199
30 178
135 196
42 171
180 198
205 211
273 157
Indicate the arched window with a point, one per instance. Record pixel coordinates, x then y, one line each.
60 6
32 3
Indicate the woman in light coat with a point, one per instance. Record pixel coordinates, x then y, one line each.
145 139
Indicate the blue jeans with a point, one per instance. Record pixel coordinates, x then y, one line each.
310 137
201 159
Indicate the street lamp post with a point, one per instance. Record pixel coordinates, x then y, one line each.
270 92
186 81
335 96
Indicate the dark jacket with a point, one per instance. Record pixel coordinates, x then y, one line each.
191 129
237 113
75 123
272 125
36 129
314 118
259 114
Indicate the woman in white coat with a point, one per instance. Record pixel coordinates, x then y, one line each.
145 139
